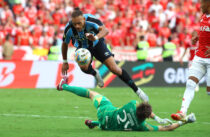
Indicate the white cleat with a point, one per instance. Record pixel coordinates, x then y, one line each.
190 118
99 80
143 96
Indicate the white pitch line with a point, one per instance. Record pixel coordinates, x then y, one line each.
42 116
66 117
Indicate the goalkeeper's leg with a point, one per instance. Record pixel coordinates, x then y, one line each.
82 92
91 124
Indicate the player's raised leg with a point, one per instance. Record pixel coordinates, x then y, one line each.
124 76
88 69
82 92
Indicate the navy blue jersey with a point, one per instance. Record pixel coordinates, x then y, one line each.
79 39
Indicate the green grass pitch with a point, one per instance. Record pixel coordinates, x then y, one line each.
49 113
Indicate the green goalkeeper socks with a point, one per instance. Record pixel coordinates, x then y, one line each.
83 92
95 123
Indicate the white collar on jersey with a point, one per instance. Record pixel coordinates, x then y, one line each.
208 15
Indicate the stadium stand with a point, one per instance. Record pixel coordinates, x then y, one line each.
34 23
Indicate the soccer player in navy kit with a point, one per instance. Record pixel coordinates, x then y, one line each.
86 31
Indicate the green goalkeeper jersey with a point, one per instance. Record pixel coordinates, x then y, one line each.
124 118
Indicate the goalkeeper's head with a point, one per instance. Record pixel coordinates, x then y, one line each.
143 111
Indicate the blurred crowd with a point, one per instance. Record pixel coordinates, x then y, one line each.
41 23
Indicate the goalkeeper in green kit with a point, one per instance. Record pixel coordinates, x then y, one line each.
132 116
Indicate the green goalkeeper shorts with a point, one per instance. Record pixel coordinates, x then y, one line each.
101 101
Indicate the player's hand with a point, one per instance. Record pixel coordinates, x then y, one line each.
194 39
165 121
207 53
90 36
181 62
65 68
162 121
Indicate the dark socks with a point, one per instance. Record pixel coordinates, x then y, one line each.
127 79
90 71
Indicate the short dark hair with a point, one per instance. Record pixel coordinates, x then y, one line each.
77 12
143 111
141 37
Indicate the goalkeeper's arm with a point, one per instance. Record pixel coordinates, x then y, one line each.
160 120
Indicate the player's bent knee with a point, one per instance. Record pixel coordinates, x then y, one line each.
191 84
93 94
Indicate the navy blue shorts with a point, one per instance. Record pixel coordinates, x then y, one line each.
100 51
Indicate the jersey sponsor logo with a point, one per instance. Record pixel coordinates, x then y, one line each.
205 28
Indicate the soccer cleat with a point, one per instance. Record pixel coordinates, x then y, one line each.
64 80
89 124
190 118
178 116
99 80
143 96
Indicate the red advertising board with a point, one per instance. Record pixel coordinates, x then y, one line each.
40 74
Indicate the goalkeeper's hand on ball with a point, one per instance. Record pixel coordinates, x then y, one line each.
162 121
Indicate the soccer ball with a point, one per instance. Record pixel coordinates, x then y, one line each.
82 56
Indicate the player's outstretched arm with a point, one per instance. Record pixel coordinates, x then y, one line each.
103 31
207 53
181 59
160 120
194 38
168 127
188 119
65 65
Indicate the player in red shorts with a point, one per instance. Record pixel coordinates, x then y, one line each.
201 62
